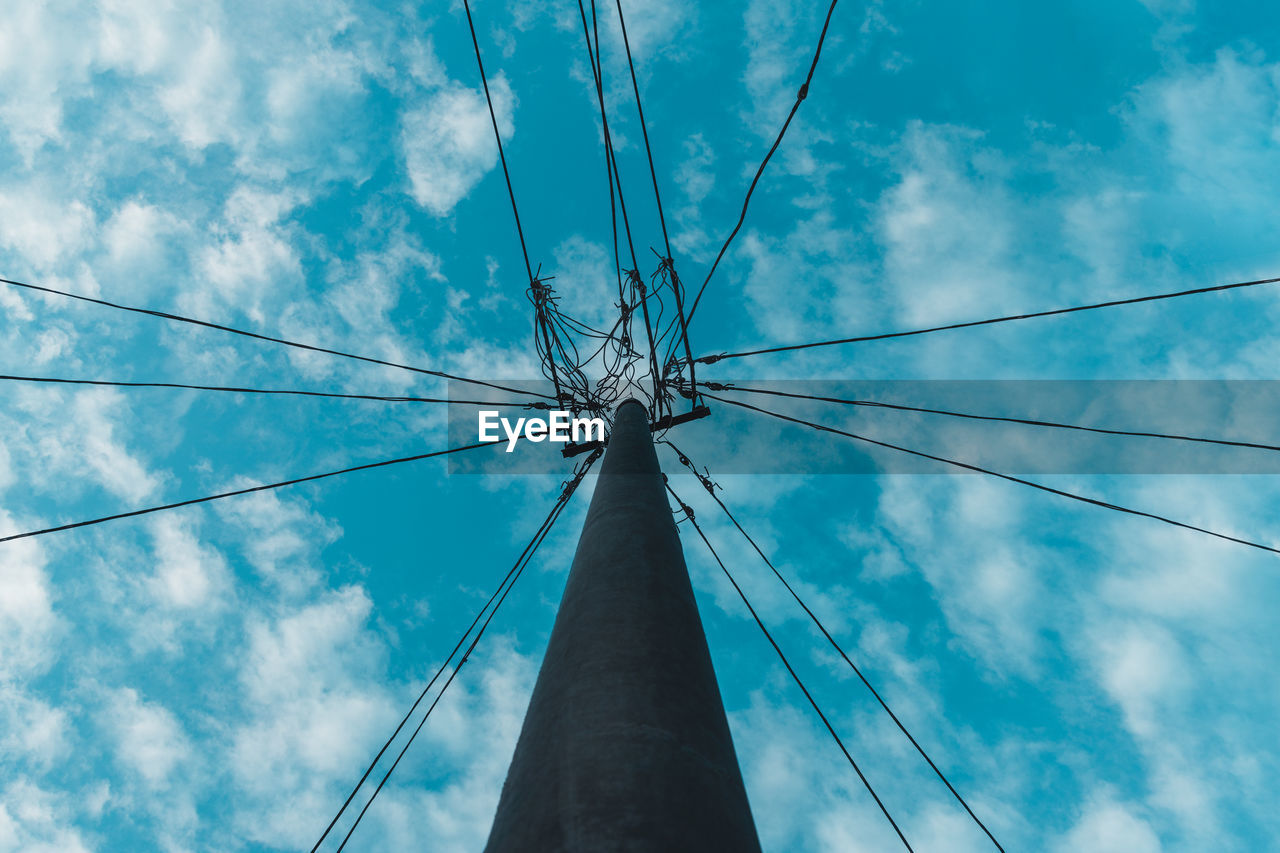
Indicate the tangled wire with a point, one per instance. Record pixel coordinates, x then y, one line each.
621 365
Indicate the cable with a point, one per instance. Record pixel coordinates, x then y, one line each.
596 65
509 581
668 261
242 492
526 553
709 486
717 386
800 96
787 664
165 316
712 359
633 275
535 282
388 399
966 466
498 137
677 288
635 86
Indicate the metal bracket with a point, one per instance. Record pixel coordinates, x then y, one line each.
664 422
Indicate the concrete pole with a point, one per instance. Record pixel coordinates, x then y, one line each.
625 745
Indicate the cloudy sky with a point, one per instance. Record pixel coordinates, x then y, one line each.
215 678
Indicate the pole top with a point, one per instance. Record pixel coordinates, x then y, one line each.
633 400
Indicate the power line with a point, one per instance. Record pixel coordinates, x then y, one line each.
633 275
242 492
484 80
517 566
666 240
597 70
236 390
596 64
800 96
515 211
854 764
635 87
310 348
509 582
966 466
710 487
712 359
717 386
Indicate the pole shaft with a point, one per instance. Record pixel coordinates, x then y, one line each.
625 745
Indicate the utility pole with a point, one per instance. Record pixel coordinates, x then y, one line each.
625 745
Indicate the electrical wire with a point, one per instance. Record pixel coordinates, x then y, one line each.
718 386
644 130
768 636
632 292
536 283
979 470
503 589
710 487
493 118
236 390
309 347
249 490
712 359
800 96
669 262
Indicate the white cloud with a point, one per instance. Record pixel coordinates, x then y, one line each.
253 264
31 728
36 820
116 469
586 281
655 28
130 234
964 535
1222 159
45 227
448 143
202 99
695 175
28 625
37 72
282 538
1108 826
188 576
148 737
317 706
1142 665
469 741
805 282
142 245
945 228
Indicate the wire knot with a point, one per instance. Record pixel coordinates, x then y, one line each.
804 92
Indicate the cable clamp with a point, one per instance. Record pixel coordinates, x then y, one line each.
804 92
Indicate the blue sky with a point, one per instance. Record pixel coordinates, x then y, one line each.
214 678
